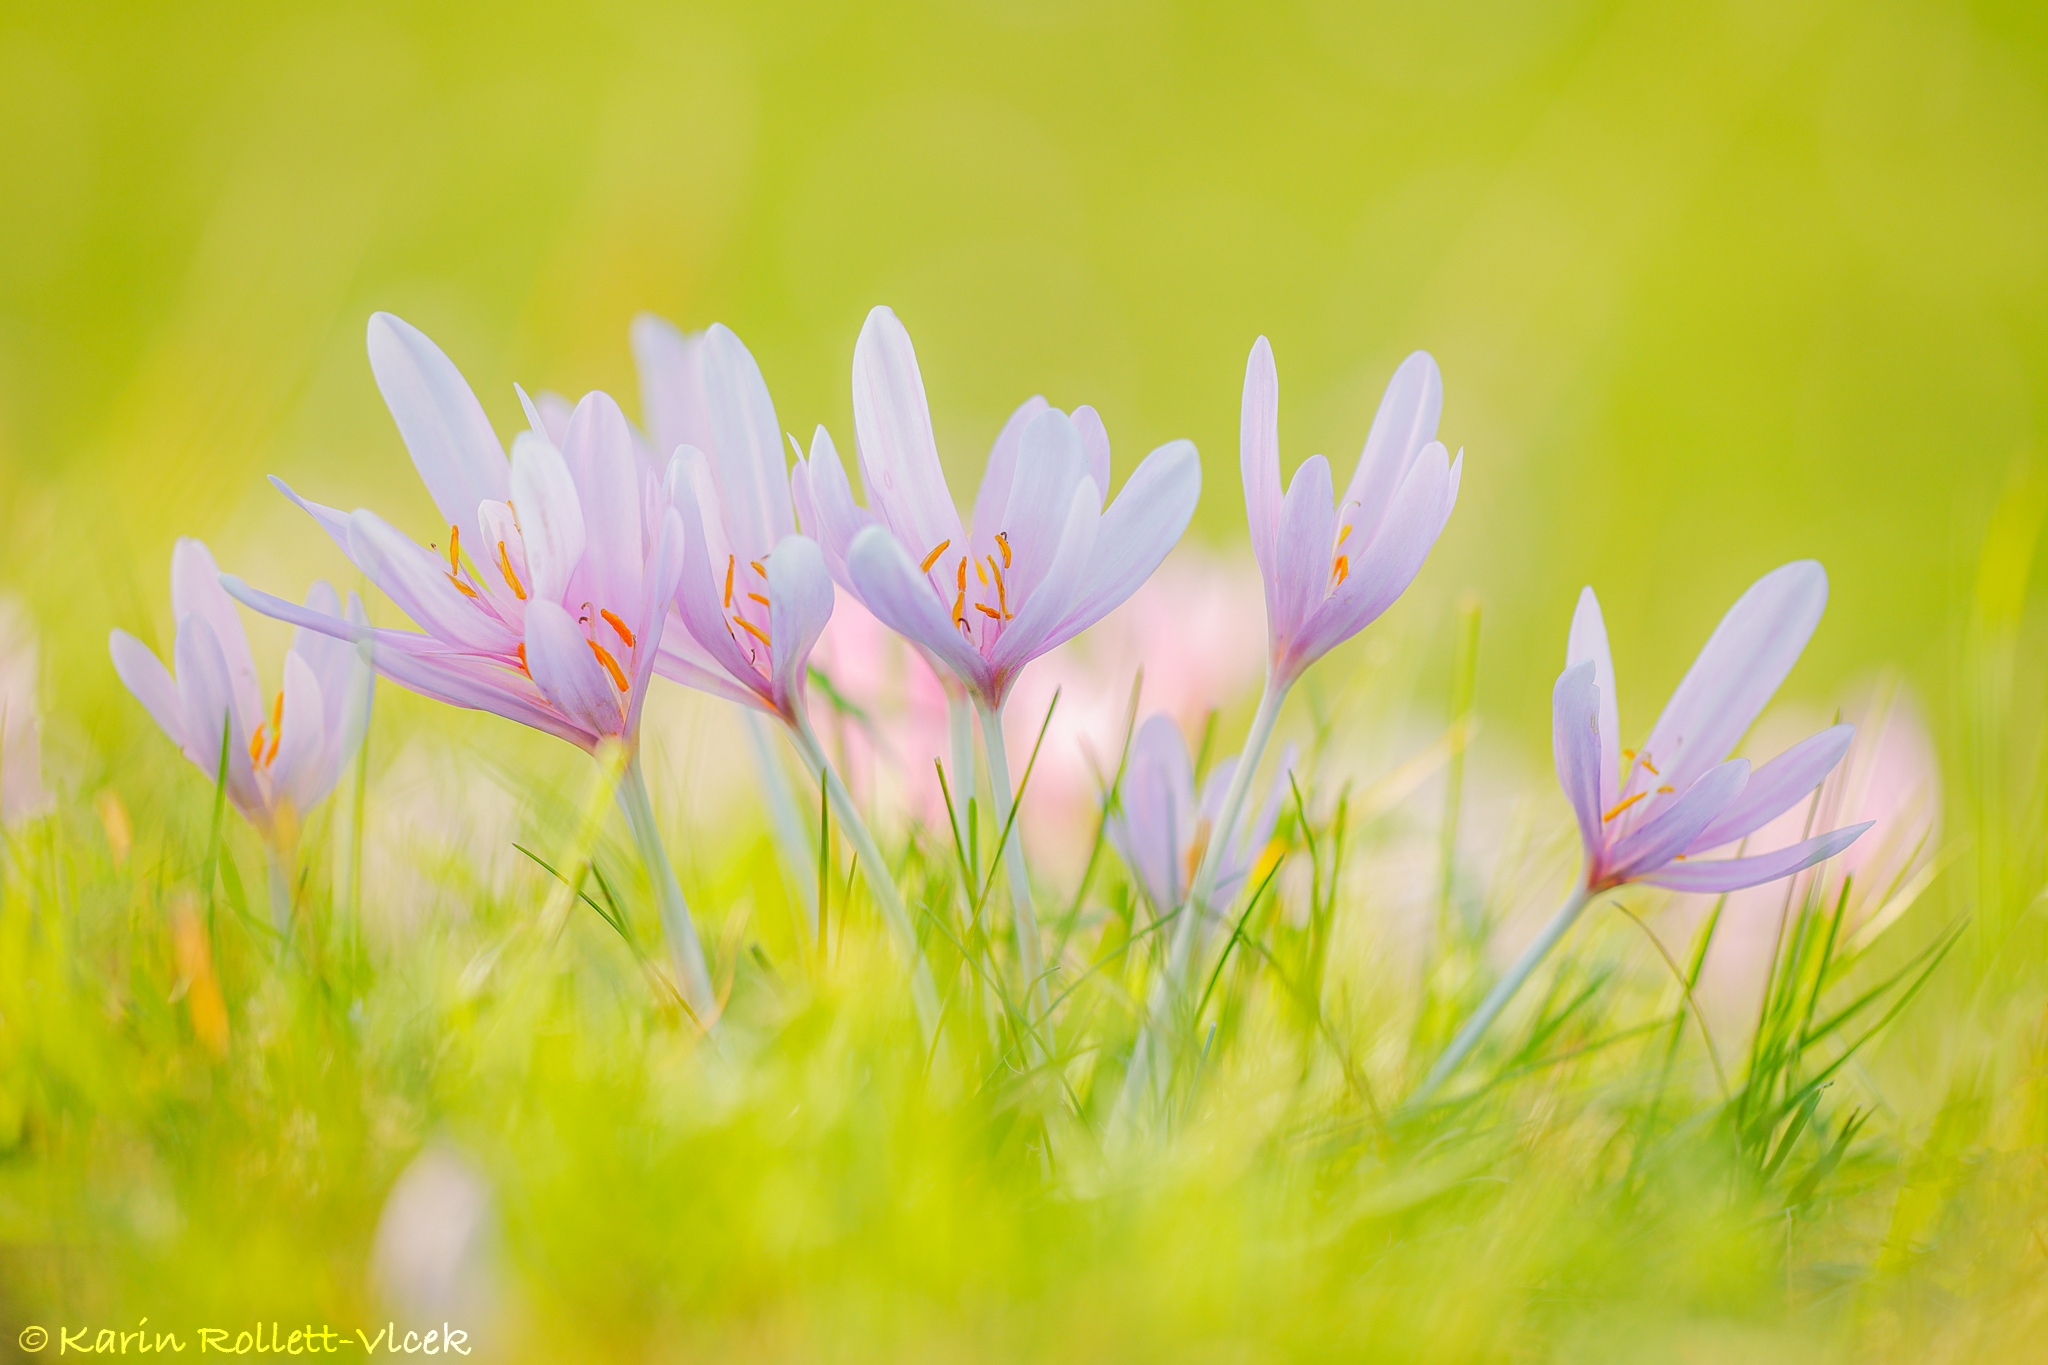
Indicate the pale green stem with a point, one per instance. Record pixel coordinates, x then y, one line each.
1030 956
280 856
1166 986
798 853
874 870
1497 999
693 978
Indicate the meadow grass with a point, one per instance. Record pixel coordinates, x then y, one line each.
203 1124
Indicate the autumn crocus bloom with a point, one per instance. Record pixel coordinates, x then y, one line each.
1646 814
282 755
546 602
1042 559
1161 827
753 596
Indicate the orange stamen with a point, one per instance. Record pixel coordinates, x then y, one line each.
512 579
1629 754
1003 540
979 573
758 598
461 586
522 661
962 575
990 612
755 565
1342 568
933 557
1344 534
1622 806
960 609
750 628
1662 790
256 745
620 626
1002 598
611 666
1651 766
454 549
728 582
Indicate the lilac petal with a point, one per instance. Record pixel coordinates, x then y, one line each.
671 367
195 589
1095 440
903 600
1402 428
1575 748
1382 570
899 459
330 657
1588 640
203 690
993 498
746 445
458 456
1051 463
145 675
500 531
478 685
664 571
1258 446
1672 830
550 516
700 598
556 412
418 581
350 628
1778 786
302 770
1155 820
1146 521
598 453
332 520
800 603
1738 670
360 691
1715 875
1038 619
567 672
1301 574
824 500
682 660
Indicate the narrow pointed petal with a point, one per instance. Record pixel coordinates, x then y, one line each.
332 520
417 580
1588 641
746 445
1712 876
1301 574
1402 428
671 367
1150 515
1051 464
1094 440
195 589
598 454
1039 618
458 456
824 500
1674 829
899 459
476 685
699 597
1158 789
902 598
567 672
550 515
1575 747
1778 786
992 500
203 688
1258 447
302 770
556 412
325 654
663 573
800 603
350 628
1738 670
145 675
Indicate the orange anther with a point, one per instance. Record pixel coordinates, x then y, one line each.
1629 754
1622 806
522 662
990 612
1651 766
933 557
256 745
1662 790
512 579
461 586
960 609
1344 534
1003 540
728 582
620 626
454 549
758 598
755 565
980 573
961 576
611 666
1342 568
750 628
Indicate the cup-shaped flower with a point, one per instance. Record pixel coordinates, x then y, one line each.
754 595
546 605
1332 568
1646 814
283 756
1042 559
1161 827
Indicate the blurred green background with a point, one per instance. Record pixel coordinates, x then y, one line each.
1713 286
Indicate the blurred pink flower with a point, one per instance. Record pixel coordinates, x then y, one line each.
21 767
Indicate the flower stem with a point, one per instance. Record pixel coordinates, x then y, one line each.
783 819
874 870
686 953
960 734
279 856
1030 955
1497 999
